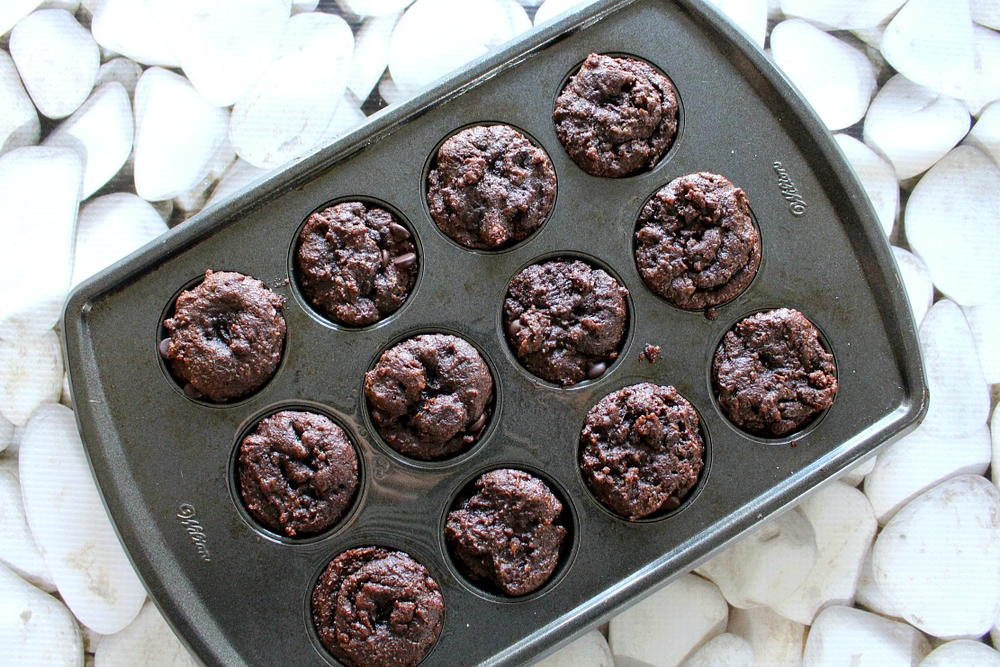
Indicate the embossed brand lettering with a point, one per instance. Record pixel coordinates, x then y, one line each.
796 204
186 515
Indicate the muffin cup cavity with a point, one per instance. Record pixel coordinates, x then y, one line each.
222 309
274 532
668 478
431 398
489 187
355 262
376 605
566 320
697 244
760 403
630 91
516 487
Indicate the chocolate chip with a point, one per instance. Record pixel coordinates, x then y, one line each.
191 392
164 347
478 425
596 370
406 260
671 503
398 231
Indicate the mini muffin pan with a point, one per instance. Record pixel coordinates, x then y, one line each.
239 594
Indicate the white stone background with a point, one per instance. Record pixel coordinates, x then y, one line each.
121 118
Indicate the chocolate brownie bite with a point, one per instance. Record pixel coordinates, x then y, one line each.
565 320
651 353
226 336
356 263
429 396
695 242
297 473
616 116
641 450
374 606
772 374
490 187
508 532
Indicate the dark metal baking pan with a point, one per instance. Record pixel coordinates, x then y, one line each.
239 595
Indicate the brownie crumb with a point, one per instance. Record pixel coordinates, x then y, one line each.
772 374
651 353
373 606
508 532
